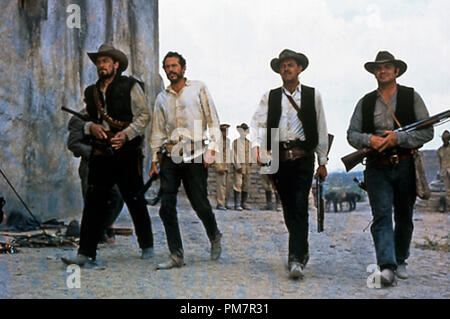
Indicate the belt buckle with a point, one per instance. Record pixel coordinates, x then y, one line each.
290 154
394 159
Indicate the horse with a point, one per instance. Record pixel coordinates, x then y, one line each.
338 198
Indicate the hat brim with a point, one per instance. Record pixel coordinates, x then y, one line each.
300 58
115 54
370 66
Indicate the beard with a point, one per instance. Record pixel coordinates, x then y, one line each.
179 76
106 75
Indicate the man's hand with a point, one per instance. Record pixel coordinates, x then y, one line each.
98 131
209 158
153 170
321 173
380 144
390 140
257 154
118 140
376 142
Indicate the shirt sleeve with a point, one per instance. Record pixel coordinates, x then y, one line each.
76 142
159 135
322 146
212 118
416 139
140 111
355 137
258 124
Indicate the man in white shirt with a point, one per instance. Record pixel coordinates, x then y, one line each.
185 120
297 112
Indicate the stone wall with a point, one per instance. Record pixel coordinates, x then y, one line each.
43 65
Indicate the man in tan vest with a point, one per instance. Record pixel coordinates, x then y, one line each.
223 170
241 163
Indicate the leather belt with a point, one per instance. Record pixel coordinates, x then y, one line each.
289 144
193 147
388 160
293 153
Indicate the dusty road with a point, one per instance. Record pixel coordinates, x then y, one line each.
252 264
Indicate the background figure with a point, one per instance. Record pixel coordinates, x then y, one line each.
79 144
242 164
268 190
223 159
444 164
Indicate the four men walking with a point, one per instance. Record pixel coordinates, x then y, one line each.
289 127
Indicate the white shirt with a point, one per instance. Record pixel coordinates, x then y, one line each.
290 126
190 113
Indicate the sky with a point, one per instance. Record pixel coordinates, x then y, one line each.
228 45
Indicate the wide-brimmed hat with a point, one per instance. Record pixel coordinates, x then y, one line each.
109 50
243 126
386 57
287 54
224 126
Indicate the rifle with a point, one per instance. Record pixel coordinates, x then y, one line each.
319 194
146 186
100 146
357 157
81 116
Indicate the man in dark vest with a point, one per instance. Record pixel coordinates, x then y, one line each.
297 112
390 176
120 114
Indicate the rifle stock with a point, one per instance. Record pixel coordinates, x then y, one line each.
355 158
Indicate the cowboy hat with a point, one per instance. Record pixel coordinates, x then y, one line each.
108 50
287 54
243 126
386 57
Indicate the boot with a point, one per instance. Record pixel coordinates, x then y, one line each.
244 204
269 203
442 204
278 205
237 201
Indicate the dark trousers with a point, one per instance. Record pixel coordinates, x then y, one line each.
387 187
123 169
293 182
115 201
194 177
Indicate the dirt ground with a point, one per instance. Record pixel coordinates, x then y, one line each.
253 263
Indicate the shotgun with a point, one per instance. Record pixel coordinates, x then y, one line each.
357 157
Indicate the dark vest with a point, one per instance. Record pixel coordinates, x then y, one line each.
118 99
307 116
404 110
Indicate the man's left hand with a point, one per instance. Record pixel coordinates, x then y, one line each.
118 140
390 140
209 158
321 173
